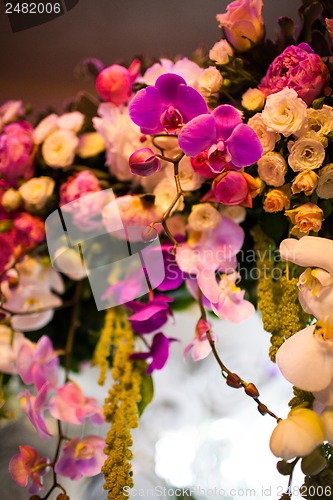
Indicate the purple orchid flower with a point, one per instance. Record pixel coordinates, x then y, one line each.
159 352
200 345
230 142
34 406
166 106
149 317
174 277
81 458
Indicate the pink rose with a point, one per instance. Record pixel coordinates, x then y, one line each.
29 230
114 83
299 68
234 188
16 144
243 23
77 186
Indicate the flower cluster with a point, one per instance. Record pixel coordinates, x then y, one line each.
145 201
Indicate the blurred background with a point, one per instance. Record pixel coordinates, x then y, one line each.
38 64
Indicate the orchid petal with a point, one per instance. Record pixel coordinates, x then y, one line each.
168 86
309 251
145 110
197 135
244 146
306 361
226 118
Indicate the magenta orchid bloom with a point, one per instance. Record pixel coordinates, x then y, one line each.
166 106
230 142
159 352
28 465
174 277
38 364
70 405
34 407
151 316
212 251
200 345
81 458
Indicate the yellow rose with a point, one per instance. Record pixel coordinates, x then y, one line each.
306 218
305 182
277 199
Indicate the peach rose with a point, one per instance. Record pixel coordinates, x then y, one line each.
243 23
305 182
277 200
272 168
306 218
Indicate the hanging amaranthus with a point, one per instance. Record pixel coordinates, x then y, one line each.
121 408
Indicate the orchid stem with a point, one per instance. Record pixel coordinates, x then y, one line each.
261 406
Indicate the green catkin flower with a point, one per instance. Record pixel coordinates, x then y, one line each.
103 347
121 409
301 398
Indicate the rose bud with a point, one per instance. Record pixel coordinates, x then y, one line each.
144 162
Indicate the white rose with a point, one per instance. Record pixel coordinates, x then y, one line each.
234 212
268 138
71 121
285 113
307 153
210 81
59 148
164 193
189 179
204 217
90 144
325 183
321 121
221 52
45 128
253 100
272 168
36 191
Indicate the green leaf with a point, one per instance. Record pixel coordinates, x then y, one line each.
326 206
318 103
147 388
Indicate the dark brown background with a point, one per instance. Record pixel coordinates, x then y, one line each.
37 65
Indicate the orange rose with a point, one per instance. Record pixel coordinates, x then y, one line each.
277 199
306 218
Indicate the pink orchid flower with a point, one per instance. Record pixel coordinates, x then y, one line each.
211 251
34 406
28 465
70 405
81 458
200 345
38 364
231 304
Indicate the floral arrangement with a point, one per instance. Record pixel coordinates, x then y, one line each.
196 165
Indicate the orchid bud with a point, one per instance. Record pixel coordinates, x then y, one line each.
251 390
144 162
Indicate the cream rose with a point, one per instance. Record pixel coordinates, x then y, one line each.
268 138
210 81
285 113
164 193
234 212
307 153
71 121
272 168
221 52
59 148
325 183
253 100
204 217
90 144
321 121
306 218
305 182
11 199
45 128
277 200
36 191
